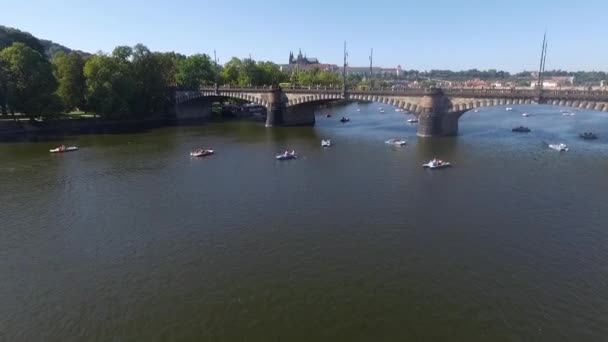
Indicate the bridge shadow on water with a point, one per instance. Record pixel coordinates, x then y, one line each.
249 131
429 148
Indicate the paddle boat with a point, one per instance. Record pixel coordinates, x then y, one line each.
559 147
588 136
344 119
436 164
414 120
508 109
525 115
201 152
328 115
521 129
395 142
325 143
287 155
63 149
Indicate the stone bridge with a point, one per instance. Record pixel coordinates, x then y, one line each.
438 110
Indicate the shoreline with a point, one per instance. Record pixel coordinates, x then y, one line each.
15 131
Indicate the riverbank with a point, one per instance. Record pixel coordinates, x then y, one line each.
27 130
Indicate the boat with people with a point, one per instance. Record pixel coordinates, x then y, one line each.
328 115
358 109
326 143
414 120
559 147
381 110
525 115
345 119
588 136
508 109
201 152
395 142
63 149
287 155
436 164
521 129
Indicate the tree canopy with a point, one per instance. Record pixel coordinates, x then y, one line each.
248 72
28 81
195 71
68 70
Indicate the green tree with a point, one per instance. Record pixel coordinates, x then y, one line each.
195 71
68 70
123 53
168 63
318 77
248 72
271 74
29 81
230 74
3 86
152 82
8 36
109 86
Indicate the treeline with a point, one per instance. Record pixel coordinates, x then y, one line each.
130 82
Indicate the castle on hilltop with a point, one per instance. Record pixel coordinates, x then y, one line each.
302 59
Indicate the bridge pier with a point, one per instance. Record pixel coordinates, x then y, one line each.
434 120
279 114
275 109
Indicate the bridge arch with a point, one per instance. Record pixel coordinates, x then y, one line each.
466 104
184 97
408 106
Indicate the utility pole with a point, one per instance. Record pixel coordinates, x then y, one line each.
216 84
344 72
543 58
371 70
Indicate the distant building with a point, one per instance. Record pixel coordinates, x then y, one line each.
321 66
391 71
477 83
553 81
376 71
302 62
302 59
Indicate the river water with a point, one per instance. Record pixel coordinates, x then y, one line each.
129 239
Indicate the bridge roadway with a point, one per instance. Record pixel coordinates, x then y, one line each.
438 110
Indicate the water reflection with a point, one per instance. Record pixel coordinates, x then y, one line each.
131 239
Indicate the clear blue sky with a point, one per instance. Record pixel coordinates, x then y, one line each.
435 34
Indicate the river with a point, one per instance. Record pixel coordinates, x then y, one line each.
129 239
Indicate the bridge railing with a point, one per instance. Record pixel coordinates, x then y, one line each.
595 95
